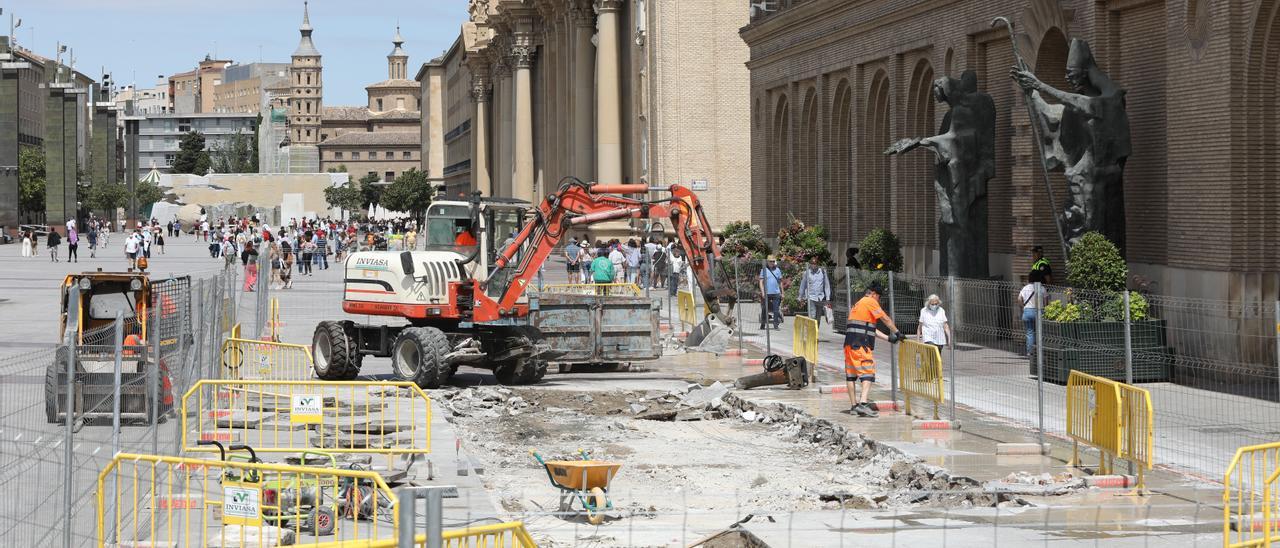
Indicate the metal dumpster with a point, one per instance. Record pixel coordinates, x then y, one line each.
598 329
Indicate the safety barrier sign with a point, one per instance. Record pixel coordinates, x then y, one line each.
151 500
294 416
686 308
804 339
920 372
1113 417
265 360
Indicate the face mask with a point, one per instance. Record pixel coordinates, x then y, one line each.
933 307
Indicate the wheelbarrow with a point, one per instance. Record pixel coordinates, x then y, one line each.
585 480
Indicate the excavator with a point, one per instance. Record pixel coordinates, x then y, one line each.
463 299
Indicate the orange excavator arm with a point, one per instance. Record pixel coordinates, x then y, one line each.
578 204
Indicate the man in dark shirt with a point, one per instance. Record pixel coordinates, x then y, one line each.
1040 269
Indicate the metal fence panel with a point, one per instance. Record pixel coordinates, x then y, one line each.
920 370
265 360
295 416
1247 504
198 502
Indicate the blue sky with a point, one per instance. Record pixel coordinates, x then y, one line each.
145 38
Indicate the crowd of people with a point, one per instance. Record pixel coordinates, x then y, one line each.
655 264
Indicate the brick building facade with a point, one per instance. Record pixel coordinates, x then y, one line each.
834 82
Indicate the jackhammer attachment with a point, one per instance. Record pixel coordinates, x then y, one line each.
712 335
793 372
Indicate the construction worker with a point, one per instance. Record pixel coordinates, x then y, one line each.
1040 269
859 342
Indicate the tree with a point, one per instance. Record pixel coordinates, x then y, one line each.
1095 264
233 155
105 196
346 197
192 157
370 189
411 192
147 194
31 182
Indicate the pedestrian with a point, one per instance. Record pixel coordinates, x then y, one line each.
228 253
1030 309
676 272
308 253
132 243
859 342
94 230
632 255
159 239
1040 269
572 254
322 249
602 268
53 242
661 265
73 245
771 294
815 289
27 249
249 258
619 260
933 327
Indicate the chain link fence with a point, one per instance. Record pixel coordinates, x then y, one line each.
1211 366
99 391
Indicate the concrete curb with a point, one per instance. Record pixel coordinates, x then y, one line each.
1111 481
1021 449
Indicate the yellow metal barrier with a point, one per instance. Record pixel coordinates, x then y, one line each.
1113 417
686 308
294 416
804 339
920 373
628 289
274 320
265 360
151 500
1249 497
499 535
235 331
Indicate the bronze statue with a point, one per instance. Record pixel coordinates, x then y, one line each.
965 159
1086 135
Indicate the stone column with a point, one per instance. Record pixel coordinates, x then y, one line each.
480 130
522 55
583 93
9 128
503 130
608 95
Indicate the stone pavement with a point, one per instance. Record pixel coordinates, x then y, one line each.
1196 431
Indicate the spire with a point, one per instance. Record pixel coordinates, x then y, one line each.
305 47
397 41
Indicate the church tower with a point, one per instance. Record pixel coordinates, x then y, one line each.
305 101
397 60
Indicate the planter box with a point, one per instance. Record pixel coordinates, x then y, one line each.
1097 348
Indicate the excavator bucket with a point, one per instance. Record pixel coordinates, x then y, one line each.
712 335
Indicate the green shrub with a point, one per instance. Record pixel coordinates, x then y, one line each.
1057 311
880 250
797 243
1096 264
1112 310
743 239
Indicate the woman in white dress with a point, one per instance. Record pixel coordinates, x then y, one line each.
26 245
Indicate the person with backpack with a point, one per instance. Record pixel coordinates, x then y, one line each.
54 241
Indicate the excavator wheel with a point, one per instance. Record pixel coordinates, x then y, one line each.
418 355
334 352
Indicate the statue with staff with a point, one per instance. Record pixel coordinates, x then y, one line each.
965 159
1085 134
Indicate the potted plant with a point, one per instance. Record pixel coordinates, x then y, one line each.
1084 330
745 242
